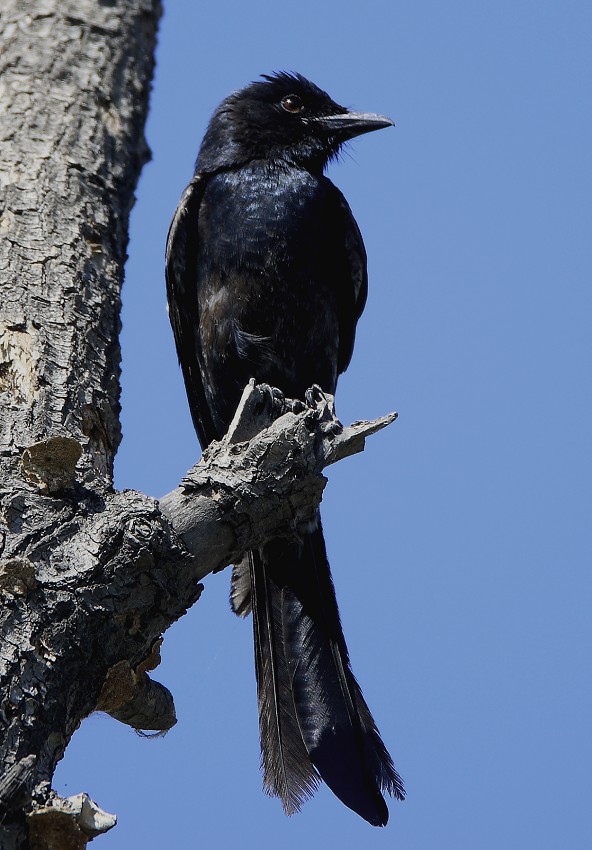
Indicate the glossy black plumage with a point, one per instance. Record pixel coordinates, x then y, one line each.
266 278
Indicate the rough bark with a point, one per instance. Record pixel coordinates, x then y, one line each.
74 95
88 595
74 86
90 578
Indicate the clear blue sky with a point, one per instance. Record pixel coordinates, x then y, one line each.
460 540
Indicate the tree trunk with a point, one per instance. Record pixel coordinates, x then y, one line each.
90 578
73 100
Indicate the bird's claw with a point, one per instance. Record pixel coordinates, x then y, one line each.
315 397
272 399
322 404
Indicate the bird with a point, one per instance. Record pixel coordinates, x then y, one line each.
266 279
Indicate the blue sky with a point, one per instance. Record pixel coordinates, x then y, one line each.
460 539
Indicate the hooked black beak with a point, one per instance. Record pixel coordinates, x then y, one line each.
347 125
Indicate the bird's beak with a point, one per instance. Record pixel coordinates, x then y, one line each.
347 125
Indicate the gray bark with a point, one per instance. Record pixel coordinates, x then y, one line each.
74 90
90 578
74 85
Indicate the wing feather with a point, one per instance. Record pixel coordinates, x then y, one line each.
181 279
352 298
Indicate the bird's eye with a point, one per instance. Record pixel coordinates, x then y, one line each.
292 103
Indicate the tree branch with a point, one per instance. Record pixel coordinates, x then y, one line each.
267 487
86 615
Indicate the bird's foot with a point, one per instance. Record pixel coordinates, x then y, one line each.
276 403
270 401
259 406
323 406
315 397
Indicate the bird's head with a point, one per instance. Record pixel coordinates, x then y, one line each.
284 117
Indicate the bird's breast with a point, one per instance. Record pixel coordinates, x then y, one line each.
261 217
267 294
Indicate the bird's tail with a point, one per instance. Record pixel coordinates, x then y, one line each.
314 722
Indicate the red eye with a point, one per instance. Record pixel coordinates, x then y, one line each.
292 103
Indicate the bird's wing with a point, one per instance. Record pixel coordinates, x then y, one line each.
181 279
352 298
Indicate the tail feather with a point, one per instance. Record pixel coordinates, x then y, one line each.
287 771
316 721
240 587
376 756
